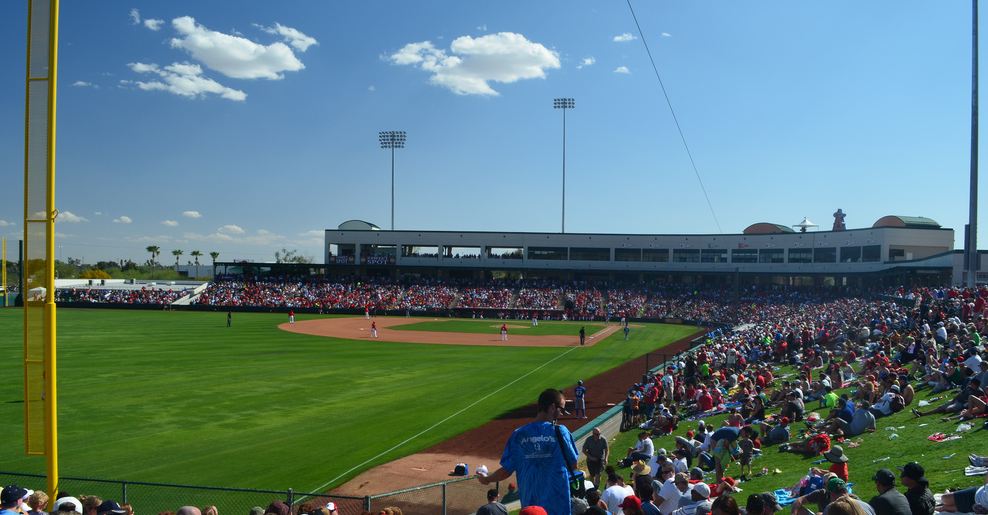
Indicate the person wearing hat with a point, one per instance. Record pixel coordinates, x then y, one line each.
11 499
837 489
632 505
762 504
838 459
889 501
109 507
580 400
921 501
700 501
533 510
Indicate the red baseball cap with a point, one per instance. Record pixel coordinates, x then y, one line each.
533 510
631 501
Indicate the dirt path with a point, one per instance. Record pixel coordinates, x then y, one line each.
484 444
358 328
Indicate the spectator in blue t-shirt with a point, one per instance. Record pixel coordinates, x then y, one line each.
535 453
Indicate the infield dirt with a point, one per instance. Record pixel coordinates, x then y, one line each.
484 444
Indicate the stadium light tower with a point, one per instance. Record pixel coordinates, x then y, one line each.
564 104
392 140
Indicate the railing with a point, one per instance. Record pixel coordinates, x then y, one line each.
167 497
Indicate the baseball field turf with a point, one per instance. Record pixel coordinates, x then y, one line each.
491 326
179 397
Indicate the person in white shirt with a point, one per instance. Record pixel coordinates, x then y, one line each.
672 490
642 451
701 501
679 462
615 493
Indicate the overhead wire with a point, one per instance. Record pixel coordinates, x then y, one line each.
675 119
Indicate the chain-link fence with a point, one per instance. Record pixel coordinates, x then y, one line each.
455 497
149 498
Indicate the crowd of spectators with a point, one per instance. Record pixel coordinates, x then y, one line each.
859 360
145 295
17 500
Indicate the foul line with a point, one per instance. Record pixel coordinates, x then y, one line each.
437 424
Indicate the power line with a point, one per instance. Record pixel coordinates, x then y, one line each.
674 118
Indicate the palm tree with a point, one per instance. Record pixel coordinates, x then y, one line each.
214 255
176 253
195 254
154 250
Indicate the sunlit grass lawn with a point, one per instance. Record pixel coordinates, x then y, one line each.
944 462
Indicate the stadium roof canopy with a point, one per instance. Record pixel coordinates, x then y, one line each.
358 225
767 228
912 222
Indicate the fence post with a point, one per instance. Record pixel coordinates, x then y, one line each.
444 498
291 497
367 503
123 492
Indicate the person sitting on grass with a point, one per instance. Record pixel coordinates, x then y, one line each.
775 434
862 421
642 451
976 405
973 499
955 405
812 446
838 461
835 489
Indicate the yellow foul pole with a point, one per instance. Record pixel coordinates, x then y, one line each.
51 404
40 395
3 270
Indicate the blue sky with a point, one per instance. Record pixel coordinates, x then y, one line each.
244 127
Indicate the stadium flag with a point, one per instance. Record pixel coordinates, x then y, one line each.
40 420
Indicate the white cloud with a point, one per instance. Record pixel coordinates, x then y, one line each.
586 61
294 37
135 16
169 223
83 84
191 214
233 56
98 213
4 223
183 79
231 229
666 35
503 57
371 88
622 70
624 38
70 218
482 28
154 24
123 220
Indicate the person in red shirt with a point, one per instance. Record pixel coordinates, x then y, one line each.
705 402
291 316
374 329
504 332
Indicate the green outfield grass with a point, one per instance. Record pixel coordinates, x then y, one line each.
493 325
944 462
178 397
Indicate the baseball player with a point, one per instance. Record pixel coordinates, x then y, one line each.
374 329
291 316
504 332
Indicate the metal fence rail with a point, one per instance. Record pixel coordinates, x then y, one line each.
148 498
